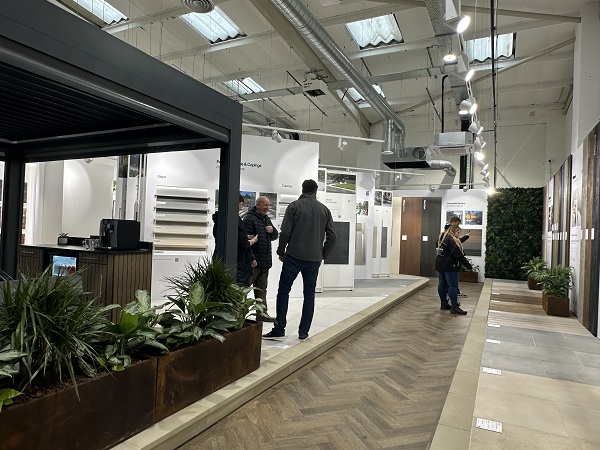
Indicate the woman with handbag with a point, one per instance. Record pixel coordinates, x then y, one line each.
450 257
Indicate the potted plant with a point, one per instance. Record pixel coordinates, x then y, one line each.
469 276
50 336
63 239
555 295
533 269
213 344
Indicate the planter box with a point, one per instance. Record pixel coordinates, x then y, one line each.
469 277
189 374
534 285
555 306
112 408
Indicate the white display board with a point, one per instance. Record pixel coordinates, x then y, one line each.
377 233
385 246
363 262
340 198
576 227
266 168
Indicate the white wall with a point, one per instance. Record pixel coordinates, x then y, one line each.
87 196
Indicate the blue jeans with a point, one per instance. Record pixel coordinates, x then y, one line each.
448 285
290 270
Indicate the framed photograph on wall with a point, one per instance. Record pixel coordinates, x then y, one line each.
473 218
457 213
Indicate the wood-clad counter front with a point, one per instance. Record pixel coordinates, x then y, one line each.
111 276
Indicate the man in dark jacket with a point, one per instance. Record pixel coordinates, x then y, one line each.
258 223
455 220
307 222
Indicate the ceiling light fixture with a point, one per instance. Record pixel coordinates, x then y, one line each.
479 156
276 137
432 188
469 74
465 189
449 57
479 143
463 24
473 103
475 127
486 179
465 107
342 144
375 175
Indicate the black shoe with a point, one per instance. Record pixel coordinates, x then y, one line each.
264 318
457 310
274 336
445 306
303 336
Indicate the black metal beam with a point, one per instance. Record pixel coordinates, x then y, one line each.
12 215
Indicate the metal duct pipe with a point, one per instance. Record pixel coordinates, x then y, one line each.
388 138
443 165
314 33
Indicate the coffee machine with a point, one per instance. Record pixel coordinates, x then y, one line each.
118 234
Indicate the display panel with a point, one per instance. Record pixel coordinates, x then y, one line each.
63 265
341 251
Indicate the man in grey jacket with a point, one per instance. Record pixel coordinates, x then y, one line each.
306 224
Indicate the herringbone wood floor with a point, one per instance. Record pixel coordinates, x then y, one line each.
382 388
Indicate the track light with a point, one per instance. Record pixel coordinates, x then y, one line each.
475 127
465 189
479 143
375 175
473 103
276 137
486 167
480 162
486 185
342 145
465 107
486 179
398 177
469 75
463 24
432 188
88 160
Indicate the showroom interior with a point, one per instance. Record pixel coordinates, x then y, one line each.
122 109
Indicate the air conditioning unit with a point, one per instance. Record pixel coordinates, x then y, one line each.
414 158
314 88
453 143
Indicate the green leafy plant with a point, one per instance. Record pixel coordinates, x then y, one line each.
474 267
47 319
8 361
206 302
135 333
534 267
510 243
557 281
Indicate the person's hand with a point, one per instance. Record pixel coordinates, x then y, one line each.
269 229
281 258
252 239
253 263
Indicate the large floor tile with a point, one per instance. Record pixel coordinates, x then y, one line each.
528 352
513 363
514 437
588 359
528 412
559 391
572 372
582 422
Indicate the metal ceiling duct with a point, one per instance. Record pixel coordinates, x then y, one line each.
314 33
447 39
199 6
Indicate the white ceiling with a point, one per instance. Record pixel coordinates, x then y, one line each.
541 85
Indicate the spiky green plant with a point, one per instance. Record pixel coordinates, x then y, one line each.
48 320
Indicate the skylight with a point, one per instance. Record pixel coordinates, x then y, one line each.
481 49
376 31
359 99
245 86
108 13
214 26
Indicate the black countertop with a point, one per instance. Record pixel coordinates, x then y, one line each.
79 248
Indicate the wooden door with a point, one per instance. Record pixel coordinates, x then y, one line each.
410 236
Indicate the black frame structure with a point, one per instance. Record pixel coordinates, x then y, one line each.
69 90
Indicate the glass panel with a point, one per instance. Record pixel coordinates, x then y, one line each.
375 31
215 26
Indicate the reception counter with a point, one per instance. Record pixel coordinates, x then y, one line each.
111 276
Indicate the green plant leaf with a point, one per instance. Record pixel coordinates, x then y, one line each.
6 396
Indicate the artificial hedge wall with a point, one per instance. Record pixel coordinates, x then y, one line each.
514 231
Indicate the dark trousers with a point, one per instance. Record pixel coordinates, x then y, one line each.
290 270
448 287
259 280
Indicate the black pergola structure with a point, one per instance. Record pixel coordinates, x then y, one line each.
69 90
